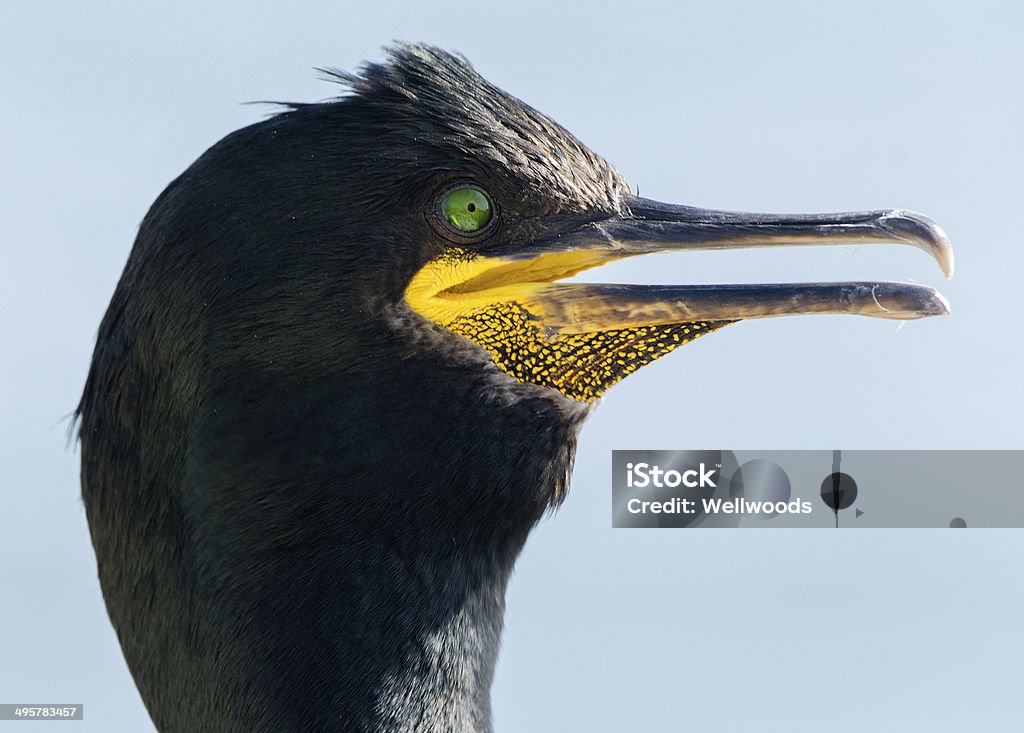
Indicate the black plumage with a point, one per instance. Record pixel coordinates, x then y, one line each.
303 517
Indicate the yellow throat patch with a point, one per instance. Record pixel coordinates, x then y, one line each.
499 304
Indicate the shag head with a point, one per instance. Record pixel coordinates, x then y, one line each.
503 203
340 381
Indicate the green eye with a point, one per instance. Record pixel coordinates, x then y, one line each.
467 209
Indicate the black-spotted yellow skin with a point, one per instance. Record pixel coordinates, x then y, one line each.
495 314
580 366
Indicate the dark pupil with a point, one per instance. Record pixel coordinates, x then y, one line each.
471 207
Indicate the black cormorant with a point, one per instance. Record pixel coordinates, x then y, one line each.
338 383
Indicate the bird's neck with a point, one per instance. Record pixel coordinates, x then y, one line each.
340 554
392 640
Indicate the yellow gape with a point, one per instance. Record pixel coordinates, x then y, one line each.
509 308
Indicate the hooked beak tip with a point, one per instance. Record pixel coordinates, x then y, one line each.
922 232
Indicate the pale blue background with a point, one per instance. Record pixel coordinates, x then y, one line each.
761 106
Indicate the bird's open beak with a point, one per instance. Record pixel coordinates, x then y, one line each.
527 276
472 294
653 227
